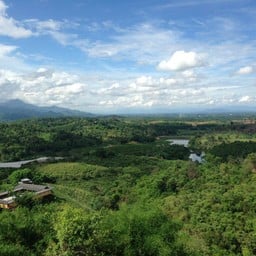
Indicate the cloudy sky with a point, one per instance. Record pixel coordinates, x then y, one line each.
112 56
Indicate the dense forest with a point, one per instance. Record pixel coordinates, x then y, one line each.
123 189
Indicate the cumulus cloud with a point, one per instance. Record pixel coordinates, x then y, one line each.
188 73
145 81
9 84
42 70
50 87
113 90
66 90
43 87
168 81
134 101
148 91
245 99
245 70
181 60
9 26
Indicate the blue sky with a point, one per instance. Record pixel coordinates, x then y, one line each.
111 56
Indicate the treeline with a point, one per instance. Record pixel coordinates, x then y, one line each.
58 136
235 150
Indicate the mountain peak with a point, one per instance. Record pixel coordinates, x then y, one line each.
15 109
15 103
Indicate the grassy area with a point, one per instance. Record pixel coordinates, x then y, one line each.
76 196
71 171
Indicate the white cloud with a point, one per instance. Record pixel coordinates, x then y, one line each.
41 70
190 76
128 102
11 58
126 43
245 70
54 28
7 49
48 25
149 91
181 60
8 77
9 26
167 81
42 87
3 8
63 38
153 91
145 81
62 91
190 3
188 73
50 87
63 78
113 90
245 99
9 84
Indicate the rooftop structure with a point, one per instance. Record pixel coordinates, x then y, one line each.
7 199
26 181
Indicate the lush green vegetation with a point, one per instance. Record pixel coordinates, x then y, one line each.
123 190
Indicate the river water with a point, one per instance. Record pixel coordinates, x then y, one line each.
193 156
18 164
182 142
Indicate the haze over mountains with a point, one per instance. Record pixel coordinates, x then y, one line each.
17 109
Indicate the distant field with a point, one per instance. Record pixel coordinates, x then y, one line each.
213 139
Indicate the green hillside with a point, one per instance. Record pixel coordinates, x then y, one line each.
123 190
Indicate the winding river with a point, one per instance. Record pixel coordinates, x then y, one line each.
18 164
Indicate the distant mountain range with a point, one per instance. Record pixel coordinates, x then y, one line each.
17 109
